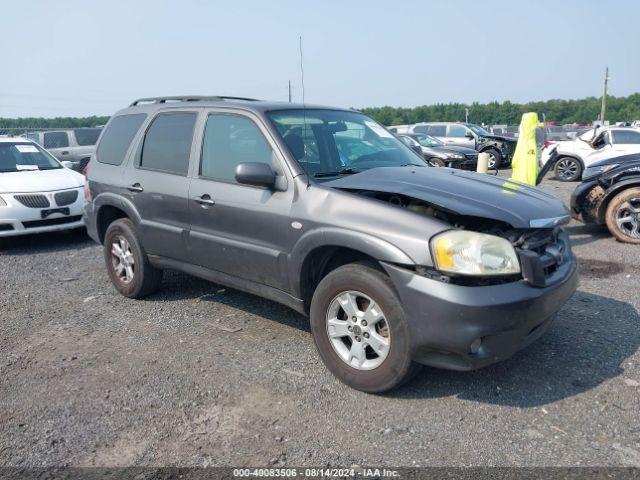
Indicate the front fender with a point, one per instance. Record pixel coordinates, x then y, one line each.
333 237
612 191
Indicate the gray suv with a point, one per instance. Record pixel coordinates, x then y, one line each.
396 263
75 145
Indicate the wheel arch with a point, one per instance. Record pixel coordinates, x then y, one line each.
110 208
323 251
613 192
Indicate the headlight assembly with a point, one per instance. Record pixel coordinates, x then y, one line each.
471 253
590 172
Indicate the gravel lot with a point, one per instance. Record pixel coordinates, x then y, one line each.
203 375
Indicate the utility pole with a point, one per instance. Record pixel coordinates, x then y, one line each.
289 91
604 96
466 115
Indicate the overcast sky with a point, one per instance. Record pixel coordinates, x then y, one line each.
94 57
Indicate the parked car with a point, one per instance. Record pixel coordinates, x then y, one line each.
576 155
396 263
553 133
499 148
610 195
74 145
37 193
511 131
412 144
440 155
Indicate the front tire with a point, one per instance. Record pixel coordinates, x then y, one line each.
359 329
623 216
127 263
568 169
495 158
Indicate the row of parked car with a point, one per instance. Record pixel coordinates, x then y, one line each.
73 146
397 264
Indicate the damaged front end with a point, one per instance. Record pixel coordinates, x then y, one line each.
540 250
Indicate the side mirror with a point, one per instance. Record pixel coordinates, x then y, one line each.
469 135
257 174
67 164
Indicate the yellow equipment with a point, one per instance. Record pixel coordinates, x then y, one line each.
525 158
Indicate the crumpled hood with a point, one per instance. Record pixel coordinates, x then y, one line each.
449 149
40 180
464 193
500 137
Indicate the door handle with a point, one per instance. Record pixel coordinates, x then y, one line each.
136 187
205 200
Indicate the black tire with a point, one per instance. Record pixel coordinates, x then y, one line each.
436 162
146 278
495 158
397 367
619 208
568 169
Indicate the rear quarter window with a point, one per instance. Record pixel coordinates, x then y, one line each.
167 143
56 140
87 136
119 133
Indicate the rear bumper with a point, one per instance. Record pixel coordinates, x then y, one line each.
89 216
445 319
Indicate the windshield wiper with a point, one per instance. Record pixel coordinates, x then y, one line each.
344 171
413 165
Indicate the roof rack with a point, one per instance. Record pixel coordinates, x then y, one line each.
189 98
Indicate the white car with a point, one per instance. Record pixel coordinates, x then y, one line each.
585 150
37 193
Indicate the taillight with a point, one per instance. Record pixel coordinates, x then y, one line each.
548 143
87 191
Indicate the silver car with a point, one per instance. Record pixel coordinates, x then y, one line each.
71 145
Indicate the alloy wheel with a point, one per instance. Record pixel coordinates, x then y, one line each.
628 218
358 330
567 169
122 259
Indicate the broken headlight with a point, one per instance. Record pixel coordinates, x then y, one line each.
470 253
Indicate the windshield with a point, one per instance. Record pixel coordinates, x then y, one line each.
334 142
17 157
429 141
478 130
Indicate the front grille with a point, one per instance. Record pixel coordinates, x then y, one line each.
51 221
66 198
33 200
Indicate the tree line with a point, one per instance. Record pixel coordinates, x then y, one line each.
584 110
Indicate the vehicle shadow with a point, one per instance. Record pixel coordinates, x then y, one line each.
587 344
180 286
76 239
585 234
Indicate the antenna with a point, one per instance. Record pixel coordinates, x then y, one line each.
301 70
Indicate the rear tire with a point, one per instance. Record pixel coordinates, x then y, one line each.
568 169
372 356
623 216
127 263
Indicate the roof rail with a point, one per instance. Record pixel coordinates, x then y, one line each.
189 98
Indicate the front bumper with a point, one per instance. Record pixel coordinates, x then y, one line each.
18 219
586 202
445 319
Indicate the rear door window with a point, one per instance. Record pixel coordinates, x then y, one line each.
87 136
56 140
115 142
437 130
167 143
